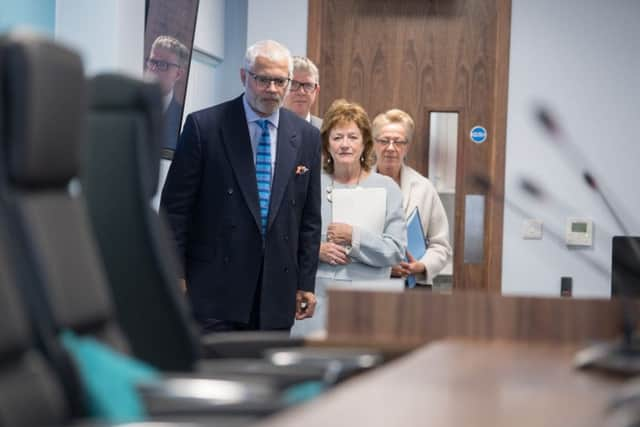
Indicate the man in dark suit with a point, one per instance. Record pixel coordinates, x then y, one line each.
248 242
166 64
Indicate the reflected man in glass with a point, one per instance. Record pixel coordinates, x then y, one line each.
167 63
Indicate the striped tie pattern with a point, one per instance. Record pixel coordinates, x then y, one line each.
263 172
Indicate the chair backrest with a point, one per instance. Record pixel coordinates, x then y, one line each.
30 393
119 179
44 119
625 266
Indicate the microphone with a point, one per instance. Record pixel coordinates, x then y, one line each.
484 184
623 357
550 125
535 191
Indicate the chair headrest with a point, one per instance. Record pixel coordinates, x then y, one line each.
116 93
43 110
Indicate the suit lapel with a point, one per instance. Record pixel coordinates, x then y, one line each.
287 148
235 136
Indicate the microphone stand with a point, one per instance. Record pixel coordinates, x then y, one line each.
486 186
622 357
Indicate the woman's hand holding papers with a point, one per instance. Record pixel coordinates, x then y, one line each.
339 233
333 254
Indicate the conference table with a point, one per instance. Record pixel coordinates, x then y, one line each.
466 359
462 382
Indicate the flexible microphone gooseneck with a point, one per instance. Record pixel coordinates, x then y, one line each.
621 357
483 183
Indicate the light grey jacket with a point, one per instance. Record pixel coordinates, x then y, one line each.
372 255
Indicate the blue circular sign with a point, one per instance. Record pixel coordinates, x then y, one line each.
478 134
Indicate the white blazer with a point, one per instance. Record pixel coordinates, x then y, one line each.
417 191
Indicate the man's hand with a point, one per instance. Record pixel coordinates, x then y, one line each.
183 286
305 304
339 233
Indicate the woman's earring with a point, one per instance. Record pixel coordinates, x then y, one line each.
362 158
328 159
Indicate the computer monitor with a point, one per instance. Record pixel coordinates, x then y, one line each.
625 266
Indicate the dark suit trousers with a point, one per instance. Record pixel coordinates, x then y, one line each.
219 325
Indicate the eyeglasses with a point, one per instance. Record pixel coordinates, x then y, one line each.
396 142
264 82
160 65
306 87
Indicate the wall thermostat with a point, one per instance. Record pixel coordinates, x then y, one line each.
579 232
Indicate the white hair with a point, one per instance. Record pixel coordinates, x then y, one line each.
269 49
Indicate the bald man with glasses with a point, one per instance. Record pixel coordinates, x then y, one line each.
305 86
243 200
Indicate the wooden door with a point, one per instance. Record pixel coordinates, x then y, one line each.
428 56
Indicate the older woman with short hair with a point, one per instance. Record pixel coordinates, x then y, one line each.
350 252
393 132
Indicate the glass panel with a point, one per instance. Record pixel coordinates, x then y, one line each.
474 229
443 149
167 52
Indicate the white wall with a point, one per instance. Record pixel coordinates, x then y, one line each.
282 20
108 34
208 54
209 35
581 58
226 80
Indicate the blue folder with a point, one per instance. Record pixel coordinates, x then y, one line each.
416 243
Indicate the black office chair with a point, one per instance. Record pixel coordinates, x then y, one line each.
30 392
120 176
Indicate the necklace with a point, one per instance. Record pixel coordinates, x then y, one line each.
331 186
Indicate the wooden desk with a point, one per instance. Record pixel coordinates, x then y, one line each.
465 383
416 317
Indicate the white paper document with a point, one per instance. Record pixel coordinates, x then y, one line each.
363 207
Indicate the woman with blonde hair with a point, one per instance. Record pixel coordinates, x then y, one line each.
393 132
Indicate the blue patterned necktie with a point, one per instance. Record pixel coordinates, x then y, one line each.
263 172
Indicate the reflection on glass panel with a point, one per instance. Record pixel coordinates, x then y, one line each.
474 229
443 148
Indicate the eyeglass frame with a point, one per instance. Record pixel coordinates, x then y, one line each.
303 86
156 64
388 142
264 82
